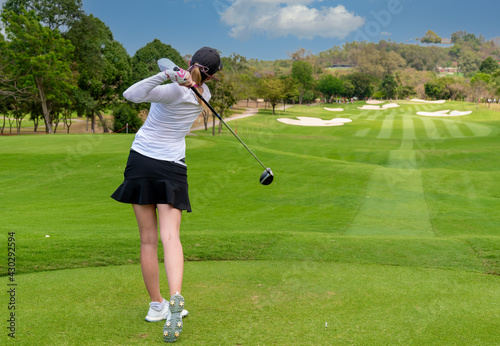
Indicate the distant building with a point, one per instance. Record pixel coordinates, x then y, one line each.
342 66
446 41
447 69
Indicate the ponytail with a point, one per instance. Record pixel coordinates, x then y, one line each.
197 77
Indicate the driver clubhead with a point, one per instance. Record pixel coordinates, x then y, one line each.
166 64
266 177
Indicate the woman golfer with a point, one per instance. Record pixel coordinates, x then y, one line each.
156 177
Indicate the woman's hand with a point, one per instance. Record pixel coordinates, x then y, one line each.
180 76
189 82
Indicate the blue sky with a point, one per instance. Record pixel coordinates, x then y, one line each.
269 29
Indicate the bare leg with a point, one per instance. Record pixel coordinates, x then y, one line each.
148 230
170 222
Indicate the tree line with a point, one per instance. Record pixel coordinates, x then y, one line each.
57 61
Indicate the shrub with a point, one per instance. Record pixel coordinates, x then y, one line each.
124 114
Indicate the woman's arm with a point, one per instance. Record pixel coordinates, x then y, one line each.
151 90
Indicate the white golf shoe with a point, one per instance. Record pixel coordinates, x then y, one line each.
173 326
161 311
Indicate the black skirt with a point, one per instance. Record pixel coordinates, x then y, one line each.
152 181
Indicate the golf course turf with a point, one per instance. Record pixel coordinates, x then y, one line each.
383 231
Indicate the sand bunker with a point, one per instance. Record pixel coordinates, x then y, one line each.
374 102
309 121
444 113
457 113
387 106
419 100
390 105
334 109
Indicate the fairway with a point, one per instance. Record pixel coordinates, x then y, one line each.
382 231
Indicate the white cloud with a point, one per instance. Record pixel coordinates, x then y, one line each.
386 33
282 18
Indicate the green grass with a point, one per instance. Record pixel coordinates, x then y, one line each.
386 228
266 302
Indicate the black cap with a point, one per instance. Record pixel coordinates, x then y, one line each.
208 57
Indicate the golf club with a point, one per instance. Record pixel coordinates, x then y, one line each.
267 176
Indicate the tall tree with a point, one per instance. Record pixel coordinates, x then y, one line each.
361 84
488 65
222 97
469 62
347 88
144 61
300 55
391 62
56 14
291 90
389 86
367 59
236 70
103 67
41 57
440 88
330 86
235 63
273 90
457 36
480 90
302 73
430 37
10 87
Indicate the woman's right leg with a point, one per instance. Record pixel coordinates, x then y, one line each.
148 230
169 219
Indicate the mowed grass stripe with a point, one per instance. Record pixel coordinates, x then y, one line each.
394 194
480 130
394 205
430 128
408 128
453 129
387 125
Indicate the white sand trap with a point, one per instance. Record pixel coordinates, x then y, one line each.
374 102
444 113
434 114
370 107
387 106
334 109
458 113
310 121
390 105
419 100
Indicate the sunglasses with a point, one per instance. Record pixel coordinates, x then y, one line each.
203 69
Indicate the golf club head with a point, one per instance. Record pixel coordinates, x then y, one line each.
266 177
166 64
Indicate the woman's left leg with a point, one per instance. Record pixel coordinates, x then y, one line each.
148 230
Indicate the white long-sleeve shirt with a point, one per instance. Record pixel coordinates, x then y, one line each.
173 110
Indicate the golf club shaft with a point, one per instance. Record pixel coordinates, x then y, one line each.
230 129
